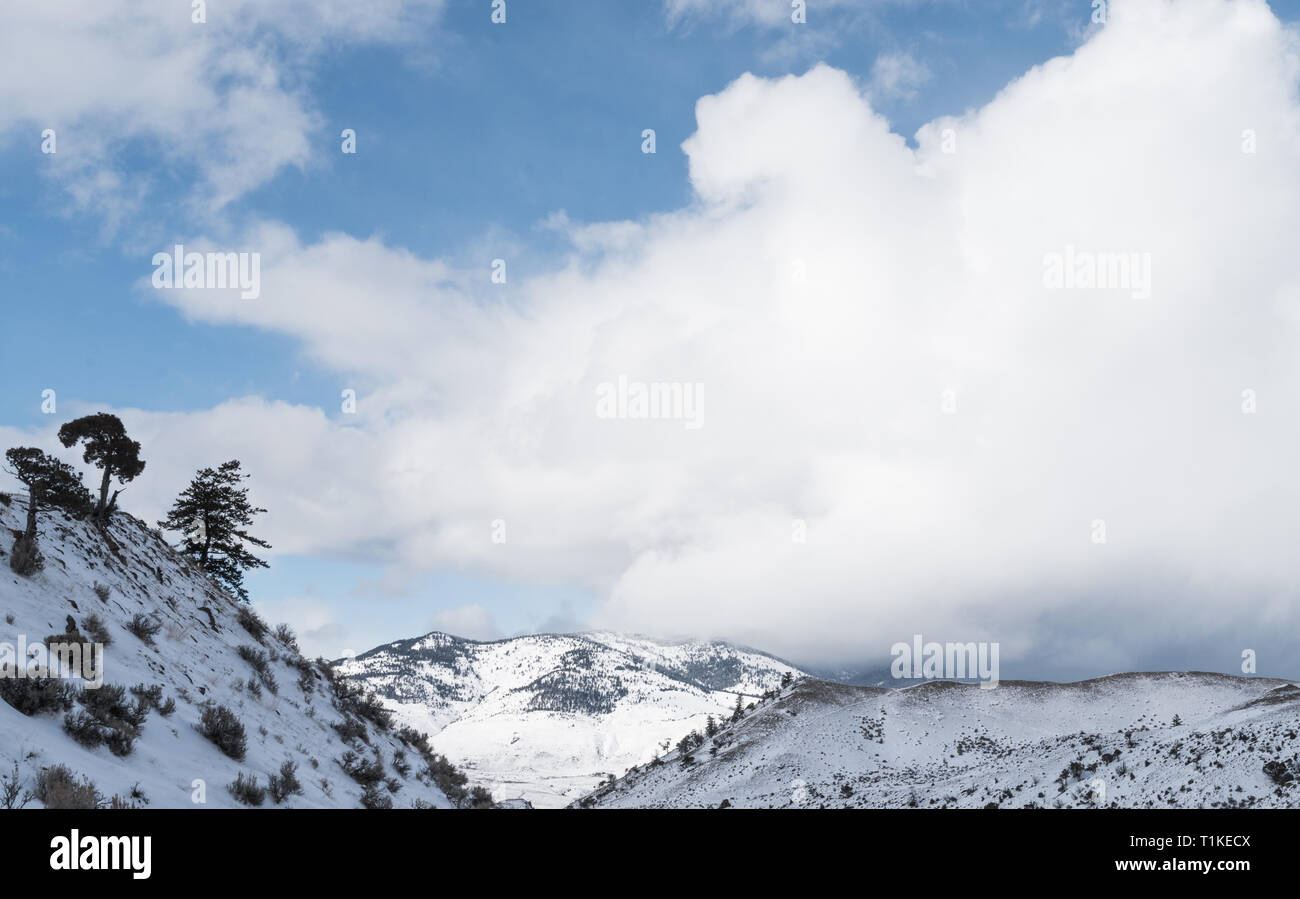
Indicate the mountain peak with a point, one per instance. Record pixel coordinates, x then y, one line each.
550 715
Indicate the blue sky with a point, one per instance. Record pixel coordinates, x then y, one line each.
470 135
494 130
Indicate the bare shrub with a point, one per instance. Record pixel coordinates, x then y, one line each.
144 627
108 719
150 697
253 623
246 790
261 664
367 773
220 725
373 797
479 797
352 699
285 784
34 695
25 558
287 637
350 728
12 794
58 788
96 629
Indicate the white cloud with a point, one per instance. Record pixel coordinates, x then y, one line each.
824 26
226 99
828 286
895 75
318 630
472 622
762 13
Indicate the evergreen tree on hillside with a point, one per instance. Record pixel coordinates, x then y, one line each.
108 447
214 513
50 484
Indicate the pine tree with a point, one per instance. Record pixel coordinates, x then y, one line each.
107 447
50 483
710 726
739 711
214 514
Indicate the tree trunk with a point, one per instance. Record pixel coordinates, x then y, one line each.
25 559
33 499
102 507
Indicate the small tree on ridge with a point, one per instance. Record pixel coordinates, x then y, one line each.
108 447
49 483
214 514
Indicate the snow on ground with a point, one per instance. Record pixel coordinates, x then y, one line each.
1111 741
547 717
194 657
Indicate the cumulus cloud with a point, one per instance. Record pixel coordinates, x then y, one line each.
907 430
226 99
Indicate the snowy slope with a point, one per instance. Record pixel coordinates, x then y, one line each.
1108 741
547 717
195 659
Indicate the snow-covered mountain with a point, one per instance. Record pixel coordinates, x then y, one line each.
547 717
146 746
1129 740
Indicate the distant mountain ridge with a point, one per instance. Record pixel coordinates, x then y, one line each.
1143 740
545 717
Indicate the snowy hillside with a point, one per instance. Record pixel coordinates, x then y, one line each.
1108 741
545 718
137 747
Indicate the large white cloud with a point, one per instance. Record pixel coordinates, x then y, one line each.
881 360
